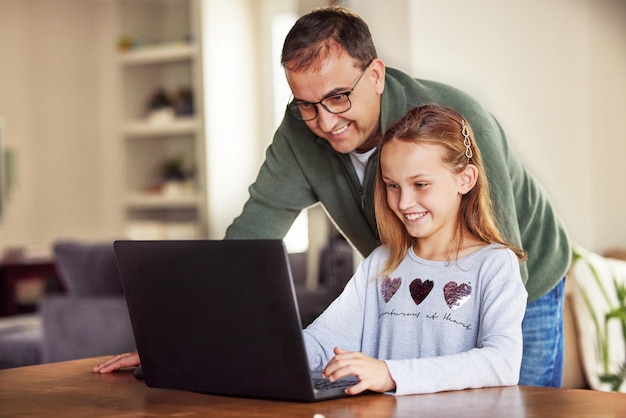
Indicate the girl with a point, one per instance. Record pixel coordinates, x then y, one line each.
439 305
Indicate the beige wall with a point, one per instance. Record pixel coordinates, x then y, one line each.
554 73
607 110
50 81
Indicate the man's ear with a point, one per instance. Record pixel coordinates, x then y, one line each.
378 71
468 178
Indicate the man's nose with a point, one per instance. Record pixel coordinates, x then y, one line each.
326 120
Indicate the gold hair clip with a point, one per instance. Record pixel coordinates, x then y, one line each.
467 141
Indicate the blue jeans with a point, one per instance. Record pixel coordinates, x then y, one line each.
542 361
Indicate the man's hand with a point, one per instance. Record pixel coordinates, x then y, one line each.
118 362
372 373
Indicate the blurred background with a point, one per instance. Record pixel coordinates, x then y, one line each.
553 72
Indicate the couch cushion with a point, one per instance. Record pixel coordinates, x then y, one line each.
20 341
599 305
78 327
88 269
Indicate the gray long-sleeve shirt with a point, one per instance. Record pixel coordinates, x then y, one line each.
437 325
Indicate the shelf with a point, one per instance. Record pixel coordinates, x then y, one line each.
145 201
145 129
158 54
160 230
163 55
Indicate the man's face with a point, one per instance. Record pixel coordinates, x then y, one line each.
357 128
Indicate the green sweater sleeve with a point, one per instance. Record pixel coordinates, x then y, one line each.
279 193
300 170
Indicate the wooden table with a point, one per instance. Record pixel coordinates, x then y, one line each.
69 389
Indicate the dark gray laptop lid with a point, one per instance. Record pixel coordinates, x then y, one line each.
217 317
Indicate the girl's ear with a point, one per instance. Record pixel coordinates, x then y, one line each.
468 178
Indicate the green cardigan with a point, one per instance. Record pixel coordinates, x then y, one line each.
301 169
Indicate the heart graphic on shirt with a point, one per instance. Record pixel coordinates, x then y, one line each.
419 290
456 294
390 287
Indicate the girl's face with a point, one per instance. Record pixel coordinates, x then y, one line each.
423 193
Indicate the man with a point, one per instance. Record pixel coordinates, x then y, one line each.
325 151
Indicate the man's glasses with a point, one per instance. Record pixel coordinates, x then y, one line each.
334 103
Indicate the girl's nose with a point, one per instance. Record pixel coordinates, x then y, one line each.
406 200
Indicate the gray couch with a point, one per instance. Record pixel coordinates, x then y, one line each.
20 340
89 319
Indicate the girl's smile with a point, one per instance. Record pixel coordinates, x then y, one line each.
415 216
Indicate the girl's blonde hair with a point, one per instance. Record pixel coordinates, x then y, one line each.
444 127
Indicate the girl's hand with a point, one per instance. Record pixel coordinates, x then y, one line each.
372 373
118 362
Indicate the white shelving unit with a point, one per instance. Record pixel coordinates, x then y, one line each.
160 52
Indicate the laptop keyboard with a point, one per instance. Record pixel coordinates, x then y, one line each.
325 384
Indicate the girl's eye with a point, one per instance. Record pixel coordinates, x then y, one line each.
392 186
420 185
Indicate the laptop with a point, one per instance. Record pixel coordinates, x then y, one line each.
219 317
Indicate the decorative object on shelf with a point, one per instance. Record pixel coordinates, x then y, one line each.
125 43
128 43
160 108
163 107
183 101
177 179
173 169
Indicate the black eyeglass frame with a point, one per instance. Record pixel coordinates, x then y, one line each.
294 106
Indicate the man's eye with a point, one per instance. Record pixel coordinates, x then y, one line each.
305 105
337 98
